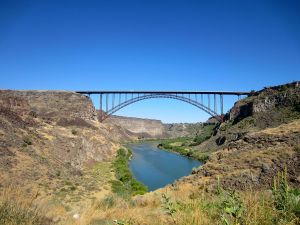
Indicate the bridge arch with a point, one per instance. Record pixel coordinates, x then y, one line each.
190 97
105 115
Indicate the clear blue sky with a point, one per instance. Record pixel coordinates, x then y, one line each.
149 45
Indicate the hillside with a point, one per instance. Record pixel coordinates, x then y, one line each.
267 108
52 143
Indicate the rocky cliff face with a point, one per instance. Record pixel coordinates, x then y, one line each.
142 128
150 128
49 104
287 95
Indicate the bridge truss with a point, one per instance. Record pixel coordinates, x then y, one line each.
210 102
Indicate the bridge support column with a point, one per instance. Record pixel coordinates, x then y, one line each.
208 101
101 109
221 104
215 103
106 103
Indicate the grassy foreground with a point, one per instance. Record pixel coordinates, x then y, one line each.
182 204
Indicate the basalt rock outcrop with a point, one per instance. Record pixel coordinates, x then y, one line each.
49 104
287 95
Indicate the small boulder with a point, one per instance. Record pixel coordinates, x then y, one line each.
76 216
265 168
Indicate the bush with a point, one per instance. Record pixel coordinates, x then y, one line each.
233 208
126 185
183 149
27 141
169 207
108 202
286 200
203 157
204 135
74 132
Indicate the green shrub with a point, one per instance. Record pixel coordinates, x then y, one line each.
285 199
74 132
204 135
126 185
27 141
184 149
108 202
232 207
280 191
296 105
203 157
169 206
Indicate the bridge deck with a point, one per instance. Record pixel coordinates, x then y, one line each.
165 92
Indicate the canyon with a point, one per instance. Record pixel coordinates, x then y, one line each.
54 147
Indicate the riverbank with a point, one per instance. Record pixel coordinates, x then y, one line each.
176 146
185 145
125 185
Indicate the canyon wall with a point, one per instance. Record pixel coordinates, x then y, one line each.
49 104
151 128
142 128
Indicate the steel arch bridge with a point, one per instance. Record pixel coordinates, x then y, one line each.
210 102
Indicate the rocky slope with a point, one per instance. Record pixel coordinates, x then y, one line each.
260 137
51 141
269 107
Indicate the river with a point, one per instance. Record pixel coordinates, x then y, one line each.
155 167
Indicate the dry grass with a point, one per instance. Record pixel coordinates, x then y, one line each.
187 205
19 208
283 129
192 207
